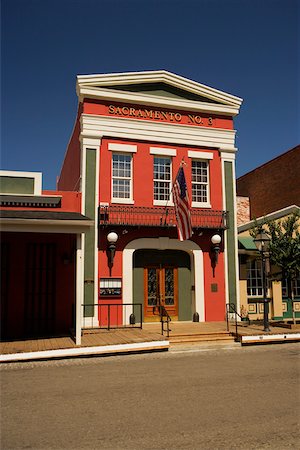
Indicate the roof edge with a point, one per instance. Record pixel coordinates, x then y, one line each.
156 76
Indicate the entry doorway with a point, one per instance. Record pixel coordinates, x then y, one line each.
160 289
162 277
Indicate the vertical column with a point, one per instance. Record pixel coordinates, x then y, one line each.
79 288
231 247
90 165
277 300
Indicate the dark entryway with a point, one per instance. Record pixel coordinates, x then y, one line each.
38 284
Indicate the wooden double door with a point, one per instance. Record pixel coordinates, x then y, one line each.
160 289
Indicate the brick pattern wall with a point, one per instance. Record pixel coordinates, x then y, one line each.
243 210
274 185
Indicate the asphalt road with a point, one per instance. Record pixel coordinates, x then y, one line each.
195 398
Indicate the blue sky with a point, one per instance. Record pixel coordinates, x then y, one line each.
249 48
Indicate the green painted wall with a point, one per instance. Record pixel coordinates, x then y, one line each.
89 248
16 185
165 257
230 235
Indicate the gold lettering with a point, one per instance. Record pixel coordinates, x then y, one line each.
125 110
111 109
191 118
132 111
164 115
178 117
210 121
118 110
139 113
198 120
149 113
171 116
156 115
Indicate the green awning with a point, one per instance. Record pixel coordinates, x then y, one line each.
247 242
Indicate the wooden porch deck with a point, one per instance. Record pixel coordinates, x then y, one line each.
93 338
181 332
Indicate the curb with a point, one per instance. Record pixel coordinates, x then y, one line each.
87 351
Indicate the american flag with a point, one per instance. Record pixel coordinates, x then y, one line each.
182 206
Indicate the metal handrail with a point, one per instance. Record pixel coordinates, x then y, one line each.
163 313
231 309
159 216
108 320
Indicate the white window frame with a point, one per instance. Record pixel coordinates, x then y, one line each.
122 149
207 203
249 271
170 200
201 157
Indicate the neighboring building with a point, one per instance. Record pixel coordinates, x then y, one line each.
273 192
272 186
131 133
41 258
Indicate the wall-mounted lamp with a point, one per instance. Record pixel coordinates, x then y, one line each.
216 241
112 238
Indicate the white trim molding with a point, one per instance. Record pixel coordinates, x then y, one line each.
200 155
271 216
230 157
163 151
93 126
96 86
122 147
164 243
45 226
36 176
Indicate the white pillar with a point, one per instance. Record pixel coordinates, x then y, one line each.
79 288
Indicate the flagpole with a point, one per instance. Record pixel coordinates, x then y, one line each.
182 163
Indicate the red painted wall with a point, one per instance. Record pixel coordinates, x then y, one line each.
214 301
69 179
143 172
143 196
70 202
112 109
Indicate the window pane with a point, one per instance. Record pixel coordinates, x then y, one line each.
254 280
121 173
200 181
162 178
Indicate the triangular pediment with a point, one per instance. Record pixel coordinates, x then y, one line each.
155 87
161 90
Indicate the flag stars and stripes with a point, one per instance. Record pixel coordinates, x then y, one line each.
182 206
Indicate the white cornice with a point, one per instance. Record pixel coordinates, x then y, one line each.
271 216
45 226
158 76
36 176
156 101
93 126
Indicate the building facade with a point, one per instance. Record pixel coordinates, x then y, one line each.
271 191
41 258
273 185
131 134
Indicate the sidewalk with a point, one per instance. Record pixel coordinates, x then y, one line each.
132 340
97 342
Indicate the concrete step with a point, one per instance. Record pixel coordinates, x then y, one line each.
201 338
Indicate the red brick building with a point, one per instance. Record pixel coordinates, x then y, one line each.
274 185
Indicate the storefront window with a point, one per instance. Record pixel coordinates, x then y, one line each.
296 287
254 280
